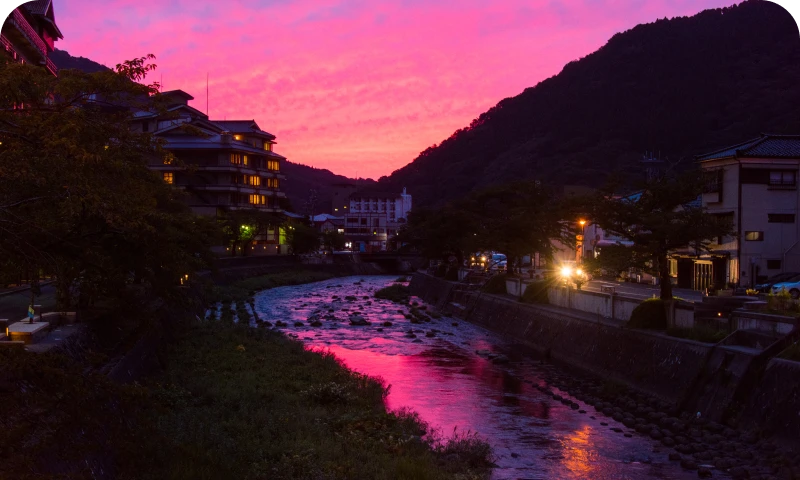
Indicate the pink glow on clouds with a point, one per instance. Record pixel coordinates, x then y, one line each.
358 87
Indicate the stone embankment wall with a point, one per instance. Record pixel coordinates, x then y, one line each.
691 375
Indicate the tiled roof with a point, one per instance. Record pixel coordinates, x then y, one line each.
39 7
765 146
213 142
241 126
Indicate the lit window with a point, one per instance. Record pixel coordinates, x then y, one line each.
754 236
168 159
169 177
237 137
244 160
267 146
254 180
272 182
273 165
258 199
236 158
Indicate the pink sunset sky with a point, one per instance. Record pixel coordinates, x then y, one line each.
358 87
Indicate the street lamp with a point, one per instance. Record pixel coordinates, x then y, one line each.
579 242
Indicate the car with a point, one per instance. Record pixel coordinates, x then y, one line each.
766 287
793 287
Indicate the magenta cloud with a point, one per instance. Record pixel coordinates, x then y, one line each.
358 87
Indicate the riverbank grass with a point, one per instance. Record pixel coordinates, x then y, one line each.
244 289
250 403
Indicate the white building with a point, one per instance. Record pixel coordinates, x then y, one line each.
755 185
373 219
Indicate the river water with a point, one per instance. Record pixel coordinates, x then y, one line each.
452 387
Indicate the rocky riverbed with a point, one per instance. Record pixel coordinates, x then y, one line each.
542 420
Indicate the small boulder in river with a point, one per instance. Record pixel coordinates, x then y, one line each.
387 324
500 359
315 323
298 324
350 298
280 324
358 320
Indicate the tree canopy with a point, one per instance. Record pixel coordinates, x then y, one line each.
77 199
664 217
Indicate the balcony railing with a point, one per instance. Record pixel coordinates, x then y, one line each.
23 26
51 66
6 44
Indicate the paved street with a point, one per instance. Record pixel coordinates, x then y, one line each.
637 290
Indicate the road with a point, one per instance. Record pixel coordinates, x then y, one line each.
638 290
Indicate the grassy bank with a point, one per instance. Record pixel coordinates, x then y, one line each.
244 289
250 403
230 402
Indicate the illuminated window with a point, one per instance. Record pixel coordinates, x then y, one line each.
754 236
254 180
236 158
244 160
169 177
168 159
237 137
272 182
258 200
267 146
273 165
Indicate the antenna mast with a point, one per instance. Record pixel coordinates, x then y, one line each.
207 114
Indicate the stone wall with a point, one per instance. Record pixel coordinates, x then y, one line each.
774 324
773 406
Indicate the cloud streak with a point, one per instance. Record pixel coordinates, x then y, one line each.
358 87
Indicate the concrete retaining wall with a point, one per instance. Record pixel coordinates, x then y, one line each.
696 376
611 305
656 364
775 324
774 405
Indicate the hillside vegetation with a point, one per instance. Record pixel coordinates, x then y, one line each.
677 87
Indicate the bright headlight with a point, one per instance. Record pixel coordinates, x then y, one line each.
579 271
566 271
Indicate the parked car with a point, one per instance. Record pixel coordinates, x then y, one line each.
766 287
793 287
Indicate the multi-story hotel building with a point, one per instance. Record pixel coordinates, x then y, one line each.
29 34
373 218
223 166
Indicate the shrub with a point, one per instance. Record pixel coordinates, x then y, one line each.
536 292
699 334
650 315
496 284
792 353
440 271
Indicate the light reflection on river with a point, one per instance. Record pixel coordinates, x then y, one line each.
450 386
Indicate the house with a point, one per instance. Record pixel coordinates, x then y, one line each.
328 223
222 165
754 184
29 34
373 218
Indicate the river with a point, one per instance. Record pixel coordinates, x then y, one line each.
452 387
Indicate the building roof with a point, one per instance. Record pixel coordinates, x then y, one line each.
325 217
213 142
765 146
242 126
41 8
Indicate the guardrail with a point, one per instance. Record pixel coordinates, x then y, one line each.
23 26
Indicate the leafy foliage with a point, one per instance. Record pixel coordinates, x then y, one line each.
77 198
303 239
664 217
536 292
650 314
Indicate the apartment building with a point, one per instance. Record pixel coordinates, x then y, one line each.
29 34
755 185
372 219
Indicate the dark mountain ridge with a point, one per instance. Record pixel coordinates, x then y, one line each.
679 87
